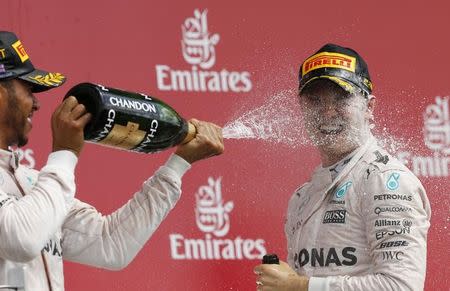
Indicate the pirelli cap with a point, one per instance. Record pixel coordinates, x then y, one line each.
341 65
15 63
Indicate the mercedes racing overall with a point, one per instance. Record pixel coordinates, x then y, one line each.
366 229
41 223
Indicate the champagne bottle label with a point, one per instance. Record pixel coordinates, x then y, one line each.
127 120
126 137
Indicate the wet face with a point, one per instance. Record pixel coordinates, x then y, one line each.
336 121
17 105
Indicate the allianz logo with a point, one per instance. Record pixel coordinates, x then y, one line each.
212 217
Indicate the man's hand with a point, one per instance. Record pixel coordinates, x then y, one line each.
274 277
207 142
68 122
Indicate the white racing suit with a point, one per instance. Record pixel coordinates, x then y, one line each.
41 223
364 230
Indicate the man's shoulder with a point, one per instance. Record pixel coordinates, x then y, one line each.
379 159
377 162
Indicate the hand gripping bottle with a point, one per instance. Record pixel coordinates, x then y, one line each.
130 121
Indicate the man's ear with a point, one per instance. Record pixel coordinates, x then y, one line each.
370 107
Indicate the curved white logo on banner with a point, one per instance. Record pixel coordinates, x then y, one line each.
211 213
437 138
212 217
197 44
198 47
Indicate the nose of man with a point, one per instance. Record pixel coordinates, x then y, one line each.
36 103
328 109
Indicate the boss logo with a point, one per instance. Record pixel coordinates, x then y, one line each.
334 216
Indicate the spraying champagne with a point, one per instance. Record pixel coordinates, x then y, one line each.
130 121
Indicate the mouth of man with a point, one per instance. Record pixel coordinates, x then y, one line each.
331 129
30 116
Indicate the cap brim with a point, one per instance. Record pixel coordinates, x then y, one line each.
42 81
344 84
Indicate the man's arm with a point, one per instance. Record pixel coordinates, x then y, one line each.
31 220
112 241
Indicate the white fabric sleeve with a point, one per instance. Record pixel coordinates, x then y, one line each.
318 284
112 241
289 229
31 220
398 252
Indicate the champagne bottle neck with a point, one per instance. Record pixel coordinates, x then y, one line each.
192 131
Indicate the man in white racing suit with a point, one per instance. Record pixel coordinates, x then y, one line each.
361 222
41 223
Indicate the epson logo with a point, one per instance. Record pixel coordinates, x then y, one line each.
383 233
392 197
393 244
334 216
325 257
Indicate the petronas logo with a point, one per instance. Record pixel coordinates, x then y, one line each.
340 192
392 182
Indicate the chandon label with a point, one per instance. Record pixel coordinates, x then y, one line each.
132 104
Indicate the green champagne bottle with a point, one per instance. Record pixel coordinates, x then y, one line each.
130 121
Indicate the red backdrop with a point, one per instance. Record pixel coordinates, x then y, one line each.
251 51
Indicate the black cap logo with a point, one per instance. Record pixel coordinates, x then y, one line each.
343 66
16 63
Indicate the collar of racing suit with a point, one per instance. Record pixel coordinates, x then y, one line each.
337 167
9 160
331 180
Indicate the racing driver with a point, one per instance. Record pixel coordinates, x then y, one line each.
41 223
361 222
